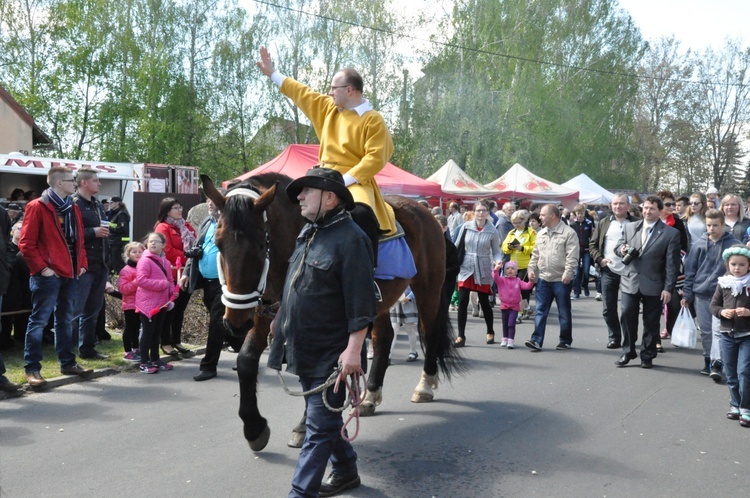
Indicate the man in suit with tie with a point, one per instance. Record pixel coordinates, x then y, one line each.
651 252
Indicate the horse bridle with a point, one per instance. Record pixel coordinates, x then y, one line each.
251 300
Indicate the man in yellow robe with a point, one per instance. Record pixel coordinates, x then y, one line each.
354 139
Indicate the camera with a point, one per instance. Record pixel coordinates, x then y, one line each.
196 252
631 253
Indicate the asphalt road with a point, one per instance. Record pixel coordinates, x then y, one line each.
555 423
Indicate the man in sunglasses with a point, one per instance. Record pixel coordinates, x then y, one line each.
52 245
602 248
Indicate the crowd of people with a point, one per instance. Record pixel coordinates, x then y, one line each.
66 249
658 255
661 253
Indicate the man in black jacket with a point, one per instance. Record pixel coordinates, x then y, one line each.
328 305
5 384
602 249
91 285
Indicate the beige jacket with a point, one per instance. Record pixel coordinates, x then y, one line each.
555 254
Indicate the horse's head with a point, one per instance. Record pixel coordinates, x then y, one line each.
242 238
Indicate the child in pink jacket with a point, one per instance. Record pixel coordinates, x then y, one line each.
127 286
509 289
153 298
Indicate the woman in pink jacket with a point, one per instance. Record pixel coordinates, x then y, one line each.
153 298
127 286
509 289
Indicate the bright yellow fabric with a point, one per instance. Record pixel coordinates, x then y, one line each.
527 240
349 143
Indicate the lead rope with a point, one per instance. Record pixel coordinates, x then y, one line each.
355 395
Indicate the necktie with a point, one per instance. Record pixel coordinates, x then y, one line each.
644 234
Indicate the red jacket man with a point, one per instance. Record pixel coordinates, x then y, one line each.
52 245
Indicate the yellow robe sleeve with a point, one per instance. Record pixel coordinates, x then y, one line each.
314 105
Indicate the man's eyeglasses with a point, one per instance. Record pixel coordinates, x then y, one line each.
670 204
340 86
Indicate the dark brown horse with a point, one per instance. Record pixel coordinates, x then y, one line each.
256 236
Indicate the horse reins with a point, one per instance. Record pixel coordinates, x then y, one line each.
355 395
252 299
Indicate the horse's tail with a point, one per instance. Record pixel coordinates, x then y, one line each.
448 358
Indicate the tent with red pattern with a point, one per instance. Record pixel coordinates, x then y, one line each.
520 183
453 180
296 159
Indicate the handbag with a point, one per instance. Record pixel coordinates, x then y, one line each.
684 333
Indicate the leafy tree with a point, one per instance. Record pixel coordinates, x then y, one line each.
724 107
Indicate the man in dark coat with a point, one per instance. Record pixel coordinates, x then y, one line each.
327 307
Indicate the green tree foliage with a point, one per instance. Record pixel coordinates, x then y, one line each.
544 83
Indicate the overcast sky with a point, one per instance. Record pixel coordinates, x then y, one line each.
696 23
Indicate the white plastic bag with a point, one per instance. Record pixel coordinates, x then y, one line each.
684 333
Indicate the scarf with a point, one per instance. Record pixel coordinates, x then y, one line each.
669 220
734 284
188 238
64 208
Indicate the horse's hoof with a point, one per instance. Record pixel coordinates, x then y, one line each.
296 440
367 409
261 441
421 397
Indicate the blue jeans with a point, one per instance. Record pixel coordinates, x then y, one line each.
323 441
89 301
546 292
581 280
736 352
50 295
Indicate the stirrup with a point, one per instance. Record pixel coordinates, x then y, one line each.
378 294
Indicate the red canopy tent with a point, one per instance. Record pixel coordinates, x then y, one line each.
296 159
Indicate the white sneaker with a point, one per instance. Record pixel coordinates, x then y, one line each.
370 354
598 296
504 343
511 344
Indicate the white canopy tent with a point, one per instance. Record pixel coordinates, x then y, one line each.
590 192
455 181
520 183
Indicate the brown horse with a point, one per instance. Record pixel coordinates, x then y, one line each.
256 236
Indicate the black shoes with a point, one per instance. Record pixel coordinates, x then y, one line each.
613 345
94 355
533 345
204 375
715 374
647 364
8 386
563 347
336 484
76 369
625 359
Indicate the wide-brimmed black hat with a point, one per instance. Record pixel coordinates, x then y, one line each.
323 179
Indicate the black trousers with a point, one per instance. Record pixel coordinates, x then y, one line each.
171 331
652 308
216 335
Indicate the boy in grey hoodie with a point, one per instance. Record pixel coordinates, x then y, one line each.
703 267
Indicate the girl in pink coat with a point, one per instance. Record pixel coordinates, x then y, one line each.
509 289
127 285
154 296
